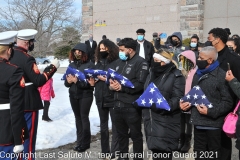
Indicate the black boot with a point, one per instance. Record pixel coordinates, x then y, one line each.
181 141
187 144
45 112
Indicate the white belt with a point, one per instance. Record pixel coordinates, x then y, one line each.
4 106
29 83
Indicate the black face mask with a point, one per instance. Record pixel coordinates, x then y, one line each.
174 43
158 69
208 43
202 64
231 49
104 54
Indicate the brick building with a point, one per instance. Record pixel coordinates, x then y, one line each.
121 18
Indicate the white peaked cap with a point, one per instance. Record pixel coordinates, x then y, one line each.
7 37
27 34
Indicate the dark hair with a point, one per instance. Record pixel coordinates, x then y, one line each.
112 49
104 37
236 42
235 35
128 43
84 58
140 31
219 33
195 36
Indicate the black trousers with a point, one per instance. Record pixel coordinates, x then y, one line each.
226 147
104 130
81 108
129 118
186 127
207 144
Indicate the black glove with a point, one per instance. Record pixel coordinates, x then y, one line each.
50 70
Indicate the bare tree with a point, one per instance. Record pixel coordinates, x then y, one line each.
49 17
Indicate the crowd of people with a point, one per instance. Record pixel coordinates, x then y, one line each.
173 67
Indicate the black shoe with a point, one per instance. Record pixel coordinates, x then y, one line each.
46 119
82 149
75 148
187 144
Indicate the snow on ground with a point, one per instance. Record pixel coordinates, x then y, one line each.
62 129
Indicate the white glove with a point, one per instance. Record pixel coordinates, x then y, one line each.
18 148
56 63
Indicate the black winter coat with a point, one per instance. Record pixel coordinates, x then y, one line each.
148 50
80 89
162 128
104 96
216 90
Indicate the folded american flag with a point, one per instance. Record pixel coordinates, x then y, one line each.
196 97
74 72
152 95
94 73
112 74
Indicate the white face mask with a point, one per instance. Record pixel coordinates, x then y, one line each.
193 45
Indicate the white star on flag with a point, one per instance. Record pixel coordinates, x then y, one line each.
143 102
197 87
195 104
95 71
203 96
112 75
76 75
195 96
151 101
123 82
90 75
210 105
159 100
188 96
152 90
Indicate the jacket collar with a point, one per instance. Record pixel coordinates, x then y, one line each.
20 48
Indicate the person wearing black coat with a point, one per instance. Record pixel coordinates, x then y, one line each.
106 54
144 48
217 37
162 127
81 96
208 120
13 127
91 47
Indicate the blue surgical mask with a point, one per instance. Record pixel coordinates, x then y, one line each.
123 56
140 37
193 45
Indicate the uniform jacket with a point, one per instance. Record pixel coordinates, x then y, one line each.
136 70
31 74
216 90
46 91
104 96
91 50
80 89
162 128
148 50
13 128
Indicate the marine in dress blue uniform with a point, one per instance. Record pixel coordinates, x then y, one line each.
13 128
33 80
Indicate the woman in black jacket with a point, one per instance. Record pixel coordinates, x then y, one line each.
162 127
81 96
106 54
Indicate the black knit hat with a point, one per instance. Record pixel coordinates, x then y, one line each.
140 31
81 46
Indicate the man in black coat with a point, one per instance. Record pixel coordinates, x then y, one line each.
217 37
144 48
91 47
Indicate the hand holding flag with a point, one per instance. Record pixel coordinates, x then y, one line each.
74 72
196 97
112 74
